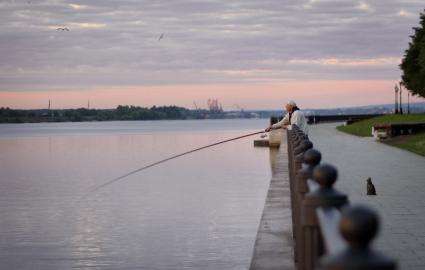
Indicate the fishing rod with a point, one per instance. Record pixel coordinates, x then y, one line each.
97 188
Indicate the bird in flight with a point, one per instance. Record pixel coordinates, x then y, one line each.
62 29
161 37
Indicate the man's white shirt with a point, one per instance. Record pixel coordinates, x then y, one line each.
297 118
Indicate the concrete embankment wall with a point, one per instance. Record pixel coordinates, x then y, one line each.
274 245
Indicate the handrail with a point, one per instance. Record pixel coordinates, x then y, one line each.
325 236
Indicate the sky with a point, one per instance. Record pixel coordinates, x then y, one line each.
252 54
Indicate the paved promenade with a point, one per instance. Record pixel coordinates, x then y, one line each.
399 178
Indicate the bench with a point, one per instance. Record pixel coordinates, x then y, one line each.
385 131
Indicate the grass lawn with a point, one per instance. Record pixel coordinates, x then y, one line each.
364 128
414 143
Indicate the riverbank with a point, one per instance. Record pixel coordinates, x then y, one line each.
363 128
414 143
120 113
124 113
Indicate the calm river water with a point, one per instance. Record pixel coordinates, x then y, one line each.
200 211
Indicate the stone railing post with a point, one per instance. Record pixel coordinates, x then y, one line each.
324 196
298 154
311 159
358 226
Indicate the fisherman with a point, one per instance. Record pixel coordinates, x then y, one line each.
294 116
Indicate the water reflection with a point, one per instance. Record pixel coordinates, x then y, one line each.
199 211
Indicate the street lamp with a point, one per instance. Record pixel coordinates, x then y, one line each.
401 103
396 99
408 102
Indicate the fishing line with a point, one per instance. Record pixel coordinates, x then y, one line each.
97 188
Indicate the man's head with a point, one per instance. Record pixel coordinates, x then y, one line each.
290 106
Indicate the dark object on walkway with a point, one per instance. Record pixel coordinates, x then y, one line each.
370 187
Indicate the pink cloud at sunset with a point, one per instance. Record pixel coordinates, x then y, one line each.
349 62
308 94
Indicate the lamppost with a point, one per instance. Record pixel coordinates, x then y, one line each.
408 102
401 103
396 99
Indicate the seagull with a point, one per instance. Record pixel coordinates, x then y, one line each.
161 37
62 29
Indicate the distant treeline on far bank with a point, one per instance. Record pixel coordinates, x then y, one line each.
8 115
120 113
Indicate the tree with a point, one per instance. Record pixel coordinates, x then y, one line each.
413 63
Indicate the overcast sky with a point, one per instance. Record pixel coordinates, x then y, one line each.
115 44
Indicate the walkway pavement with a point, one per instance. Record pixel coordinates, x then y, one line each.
399 178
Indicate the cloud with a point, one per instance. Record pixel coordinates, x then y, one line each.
75 6
86 25
364 6
205 42
405 13
384 61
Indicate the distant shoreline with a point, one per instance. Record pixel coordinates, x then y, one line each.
99 121
135 113
121 113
